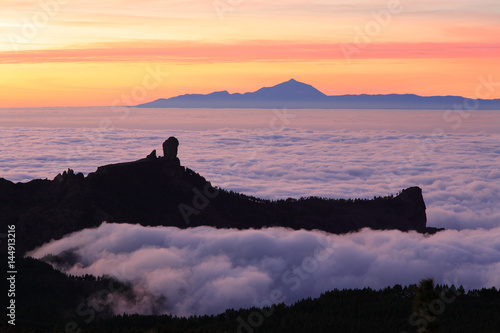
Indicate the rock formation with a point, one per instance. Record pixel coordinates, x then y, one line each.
152 156
170 147
159 191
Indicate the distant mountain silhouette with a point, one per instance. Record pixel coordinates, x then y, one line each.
159 191
290 90
297 95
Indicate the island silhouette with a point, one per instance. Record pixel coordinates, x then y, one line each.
293 94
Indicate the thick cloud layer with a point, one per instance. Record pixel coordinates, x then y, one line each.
329 153
206 270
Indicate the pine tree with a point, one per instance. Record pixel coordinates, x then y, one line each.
425 316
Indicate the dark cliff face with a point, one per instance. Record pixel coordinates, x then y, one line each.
159 191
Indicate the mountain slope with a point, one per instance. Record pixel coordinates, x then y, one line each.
289 90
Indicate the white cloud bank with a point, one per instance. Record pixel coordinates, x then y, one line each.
206 270
458 172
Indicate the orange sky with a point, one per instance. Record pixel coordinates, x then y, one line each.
69 52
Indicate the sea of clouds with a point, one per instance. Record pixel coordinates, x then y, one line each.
205 270
276 154
282 153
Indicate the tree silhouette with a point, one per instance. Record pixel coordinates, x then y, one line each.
425 314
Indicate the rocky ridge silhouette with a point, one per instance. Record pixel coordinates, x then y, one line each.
159 191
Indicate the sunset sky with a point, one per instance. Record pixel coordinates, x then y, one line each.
79 53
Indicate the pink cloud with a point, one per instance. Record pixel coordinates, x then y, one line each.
199 52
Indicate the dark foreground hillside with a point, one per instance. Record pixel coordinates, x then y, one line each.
159 191
49 301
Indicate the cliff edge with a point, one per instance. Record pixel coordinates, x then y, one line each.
160 191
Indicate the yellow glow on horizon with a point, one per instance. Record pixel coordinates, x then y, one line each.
93 52
87 84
